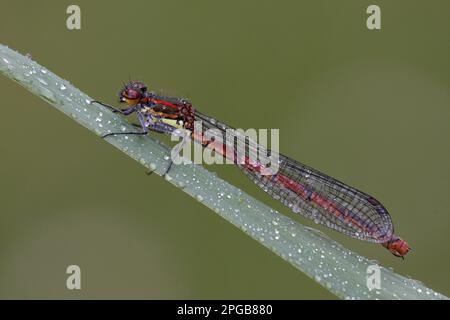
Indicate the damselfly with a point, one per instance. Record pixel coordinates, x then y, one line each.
315 195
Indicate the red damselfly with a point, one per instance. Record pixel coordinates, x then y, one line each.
315 195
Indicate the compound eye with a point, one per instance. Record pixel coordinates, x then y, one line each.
143 89
132 94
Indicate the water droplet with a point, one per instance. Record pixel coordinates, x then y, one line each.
168 178
299 250
274 223
317 278
42 81
152 166
142 161
5 60
47 94
199 198
123 128
43 71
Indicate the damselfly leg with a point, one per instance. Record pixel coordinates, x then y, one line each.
125 111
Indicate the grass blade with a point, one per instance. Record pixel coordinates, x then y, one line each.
338 269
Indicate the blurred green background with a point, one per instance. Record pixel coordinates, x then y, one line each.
371 108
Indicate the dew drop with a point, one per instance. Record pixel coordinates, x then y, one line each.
43 71
199 198
42 81
5 60
47 94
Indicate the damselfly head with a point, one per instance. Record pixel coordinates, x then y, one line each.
397 246
133 92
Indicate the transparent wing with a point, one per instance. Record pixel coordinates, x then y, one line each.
313 194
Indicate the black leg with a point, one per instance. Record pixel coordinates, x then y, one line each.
176 150
127 133
125 111
168 168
